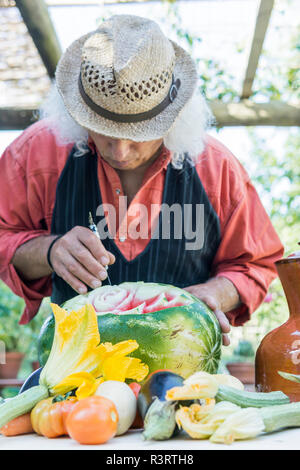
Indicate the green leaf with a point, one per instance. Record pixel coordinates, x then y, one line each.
288 376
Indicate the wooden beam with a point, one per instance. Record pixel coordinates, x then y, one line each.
262 22
12 119
82 3
244 113
39 24
247 113
89 3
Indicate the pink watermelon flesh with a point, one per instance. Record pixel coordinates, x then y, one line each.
133 298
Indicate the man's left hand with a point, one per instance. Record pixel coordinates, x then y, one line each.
220 295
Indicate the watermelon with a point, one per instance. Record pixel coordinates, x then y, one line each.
174 329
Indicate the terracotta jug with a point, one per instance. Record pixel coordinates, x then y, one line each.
280 349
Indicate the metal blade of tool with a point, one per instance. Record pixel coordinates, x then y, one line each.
94 229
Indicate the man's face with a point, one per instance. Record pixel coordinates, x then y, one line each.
125 154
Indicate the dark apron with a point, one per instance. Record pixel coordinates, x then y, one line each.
163 260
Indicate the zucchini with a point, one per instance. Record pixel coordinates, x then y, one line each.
22 403
246 399
282 416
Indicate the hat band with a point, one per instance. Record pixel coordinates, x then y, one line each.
129 118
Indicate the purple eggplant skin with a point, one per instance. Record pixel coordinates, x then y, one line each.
156 386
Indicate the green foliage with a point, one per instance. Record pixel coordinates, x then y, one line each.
281 80
9 392
214 81
276 177
11 333
244 349
241 350
16 337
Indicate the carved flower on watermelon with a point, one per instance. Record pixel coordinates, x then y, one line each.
133 298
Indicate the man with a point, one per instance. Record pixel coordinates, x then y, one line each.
125 140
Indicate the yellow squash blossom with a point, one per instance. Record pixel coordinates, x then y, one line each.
200 422
197 386
85 383
78 360
116 366
243 424
202 385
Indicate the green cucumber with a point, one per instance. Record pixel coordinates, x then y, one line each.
282 416
21 404
246 399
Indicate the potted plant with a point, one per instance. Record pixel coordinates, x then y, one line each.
242 363
14 338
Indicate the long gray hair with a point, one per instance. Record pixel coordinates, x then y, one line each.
186 136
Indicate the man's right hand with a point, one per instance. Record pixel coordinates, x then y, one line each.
79 258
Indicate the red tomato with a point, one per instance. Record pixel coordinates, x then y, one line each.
138 422
92 420
135 387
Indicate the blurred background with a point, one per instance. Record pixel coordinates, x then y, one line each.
247 54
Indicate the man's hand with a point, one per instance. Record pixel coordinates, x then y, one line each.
79 257
221 296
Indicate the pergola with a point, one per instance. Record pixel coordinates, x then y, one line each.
243 113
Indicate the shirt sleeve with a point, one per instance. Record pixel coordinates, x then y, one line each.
25 213
247 253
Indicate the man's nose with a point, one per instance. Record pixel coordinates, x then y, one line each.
121 150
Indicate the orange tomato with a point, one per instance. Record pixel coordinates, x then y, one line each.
93 420
66 408
48 419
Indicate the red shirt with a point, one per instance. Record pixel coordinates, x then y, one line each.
29 171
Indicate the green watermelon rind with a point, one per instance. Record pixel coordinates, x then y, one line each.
171 338
45 339
184 339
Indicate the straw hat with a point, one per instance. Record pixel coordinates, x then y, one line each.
126 79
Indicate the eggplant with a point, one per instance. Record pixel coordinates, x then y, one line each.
32 380
157 413
156 386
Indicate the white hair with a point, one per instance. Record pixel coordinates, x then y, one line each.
185 137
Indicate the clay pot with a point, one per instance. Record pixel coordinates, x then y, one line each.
280 349
244 371
35 365
10 369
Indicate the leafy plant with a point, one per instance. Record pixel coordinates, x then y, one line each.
244 349
16 337
243 352
11 333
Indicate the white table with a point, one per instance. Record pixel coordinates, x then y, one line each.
287 439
